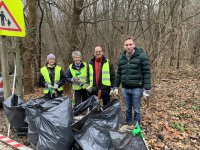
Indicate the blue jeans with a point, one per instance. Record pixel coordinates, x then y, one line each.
132 98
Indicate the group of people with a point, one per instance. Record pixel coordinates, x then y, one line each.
133 73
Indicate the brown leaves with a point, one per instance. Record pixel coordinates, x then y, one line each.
174 112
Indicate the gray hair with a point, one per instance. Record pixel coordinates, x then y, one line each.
76 53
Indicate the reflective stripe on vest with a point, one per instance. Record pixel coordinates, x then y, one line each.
82 76
105 74
45 73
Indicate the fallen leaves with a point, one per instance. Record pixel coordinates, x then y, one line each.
174 115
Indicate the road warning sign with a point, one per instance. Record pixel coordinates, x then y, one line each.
11 18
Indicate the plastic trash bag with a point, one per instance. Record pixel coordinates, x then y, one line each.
50 123
14 111
99 130
126 141
94 137
92 132
91 102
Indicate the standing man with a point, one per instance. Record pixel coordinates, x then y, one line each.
52 78
134 74
101 75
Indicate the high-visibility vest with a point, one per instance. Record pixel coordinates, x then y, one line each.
105 74
45 73
82 74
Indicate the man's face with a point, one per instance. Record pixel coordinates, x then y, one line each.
129 45
51 61
98 52
77 59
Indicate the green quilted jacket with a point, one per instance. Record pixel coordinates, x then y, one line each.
135 72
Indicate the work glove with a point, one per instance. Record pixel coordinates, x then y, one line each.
55 87
48 85
88 88
116 91
146 94
79 82
75 80
111 91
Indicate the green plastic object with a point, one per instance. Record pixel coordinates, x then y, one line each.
137 131
78 73
51 91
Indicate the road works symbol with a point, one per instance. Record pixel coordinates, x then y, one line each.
7 21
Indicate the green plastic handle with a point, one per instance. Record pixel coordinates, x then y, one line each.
137 131
50 90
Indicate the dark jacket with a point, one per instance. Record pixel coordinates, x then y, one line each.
68 72
42 81
103 88
135 72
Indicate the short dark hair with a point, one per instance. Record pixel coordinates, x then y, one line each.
128 37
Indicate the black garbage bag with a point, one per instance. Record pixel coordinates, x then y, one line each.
50 123
14 111
109 117
98 130
92 131
126 141
94 137
91 102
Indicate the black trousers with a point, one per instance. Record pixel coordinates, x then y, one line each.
104 96
80 96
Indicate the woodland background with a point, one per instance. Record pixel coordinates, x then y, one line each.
168 31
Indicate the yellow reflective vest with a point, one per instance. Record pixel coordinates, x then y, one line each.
105 74
45 73
82 74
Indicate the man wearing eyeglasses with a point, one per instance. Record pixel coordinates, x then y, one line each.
101 75
134 74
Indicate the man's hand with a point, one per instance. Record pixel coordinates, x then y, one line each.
115 91
111 91
88 88
146 94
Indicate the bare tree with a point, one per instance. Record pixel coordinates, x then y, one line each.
28 55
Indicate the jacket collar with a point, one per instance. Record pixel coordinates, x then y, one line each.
81 65
103 60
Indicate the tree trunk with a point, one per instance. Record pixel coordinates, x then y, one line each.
29 53
74 41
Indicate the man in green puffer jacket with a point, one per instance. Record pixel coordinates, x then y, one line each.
134 74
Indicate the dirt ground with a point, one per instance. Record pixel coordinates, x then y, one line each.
172 122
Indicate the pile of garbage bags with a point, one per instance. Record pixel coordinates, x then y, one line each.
51 124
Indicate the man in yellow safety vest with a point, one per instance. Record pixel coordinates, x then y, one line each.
101 75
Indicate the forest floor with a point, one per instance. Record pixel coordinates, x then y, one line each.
172 122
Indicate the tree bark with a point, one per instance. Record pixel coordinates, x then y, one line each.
29 53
